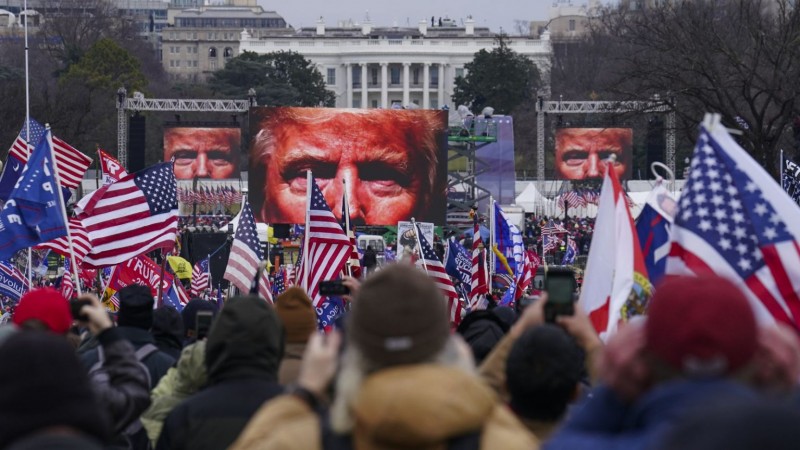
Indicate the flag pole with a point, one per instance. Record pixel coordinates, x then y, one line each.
49 136
489 254
783 168
346 210
417 232
309 180
28 125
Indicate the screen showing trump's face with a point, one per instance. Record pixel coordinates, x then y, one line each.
581 153
390 162
203 152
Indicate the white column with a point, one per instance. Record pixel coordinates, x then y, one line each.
441 84
384 85
348 88
426 86
406 76
364 96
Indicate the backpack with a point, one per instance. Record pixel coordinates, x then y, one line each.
135 430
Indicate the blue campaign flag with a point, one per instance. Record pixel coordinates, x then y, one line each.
653 228
17 156
13 283
34 211
458 262
327 313
571 253
171 299
508 239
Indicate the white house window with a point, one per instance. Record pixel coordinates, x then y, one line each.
331 76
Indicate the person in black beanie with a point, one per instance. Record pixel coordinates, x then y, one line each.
189 315
134 320
45 397
168 331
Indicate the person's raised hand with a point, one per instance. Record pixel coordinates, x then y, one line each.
320 361
353 284
622 365
580 327
96 315
532 316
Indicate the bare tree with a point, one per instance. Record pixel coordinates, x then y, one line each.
739 58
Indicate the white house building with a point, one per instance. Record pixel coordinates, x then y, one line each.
377 67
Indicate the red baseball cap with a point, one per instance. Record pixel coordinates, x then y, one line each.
701 326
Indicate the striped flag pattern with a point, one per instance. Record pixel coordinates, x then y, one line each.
328 246
67 285
478 285
246 256
72 164
201 279
431 264
80 242
134 215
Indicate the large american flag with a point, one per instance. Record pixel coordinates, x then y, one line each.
80 242
72 164
328 246
246 256
735 221
134 215
478 284
201 280
434 268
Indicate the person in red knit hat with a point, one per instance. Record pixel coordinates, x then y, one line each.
43 309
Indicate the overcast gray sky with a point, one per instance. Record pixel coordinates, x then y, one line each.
491 13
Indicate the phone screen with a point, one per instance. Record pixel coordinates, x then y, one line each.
559 289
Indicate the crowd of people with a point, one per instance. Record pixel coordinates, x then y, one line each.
392 374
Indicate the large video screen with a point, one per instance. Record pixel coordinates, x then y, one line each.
392 162
203 152
581 152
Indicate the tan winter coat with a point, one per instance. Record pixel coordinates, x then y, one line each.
420 406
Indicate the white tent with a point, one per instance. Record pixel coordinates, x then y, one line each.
531 200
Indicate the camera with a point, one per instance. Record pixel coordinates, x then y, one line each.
75 307
560 285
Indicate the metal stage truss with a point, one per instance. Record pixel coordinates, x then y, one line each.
464 142
139 103
593 107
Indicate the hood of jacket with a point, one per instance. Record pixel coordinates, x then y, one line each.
245 341
419 406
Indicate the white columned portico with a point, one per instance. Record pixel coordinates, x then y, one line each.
384 85
348 68
442 68
426 85
406 87
364 96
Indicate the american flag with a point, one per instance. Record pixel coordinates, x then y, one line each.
201 279
354 261
72 164
134 215
280 282
553 228
735 221
290 271
67 285
328 246
80 242
478 285
574 200
529 270
246 256
434 268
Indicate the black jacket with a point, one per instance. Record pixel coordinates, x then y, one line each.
243 353
158 363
